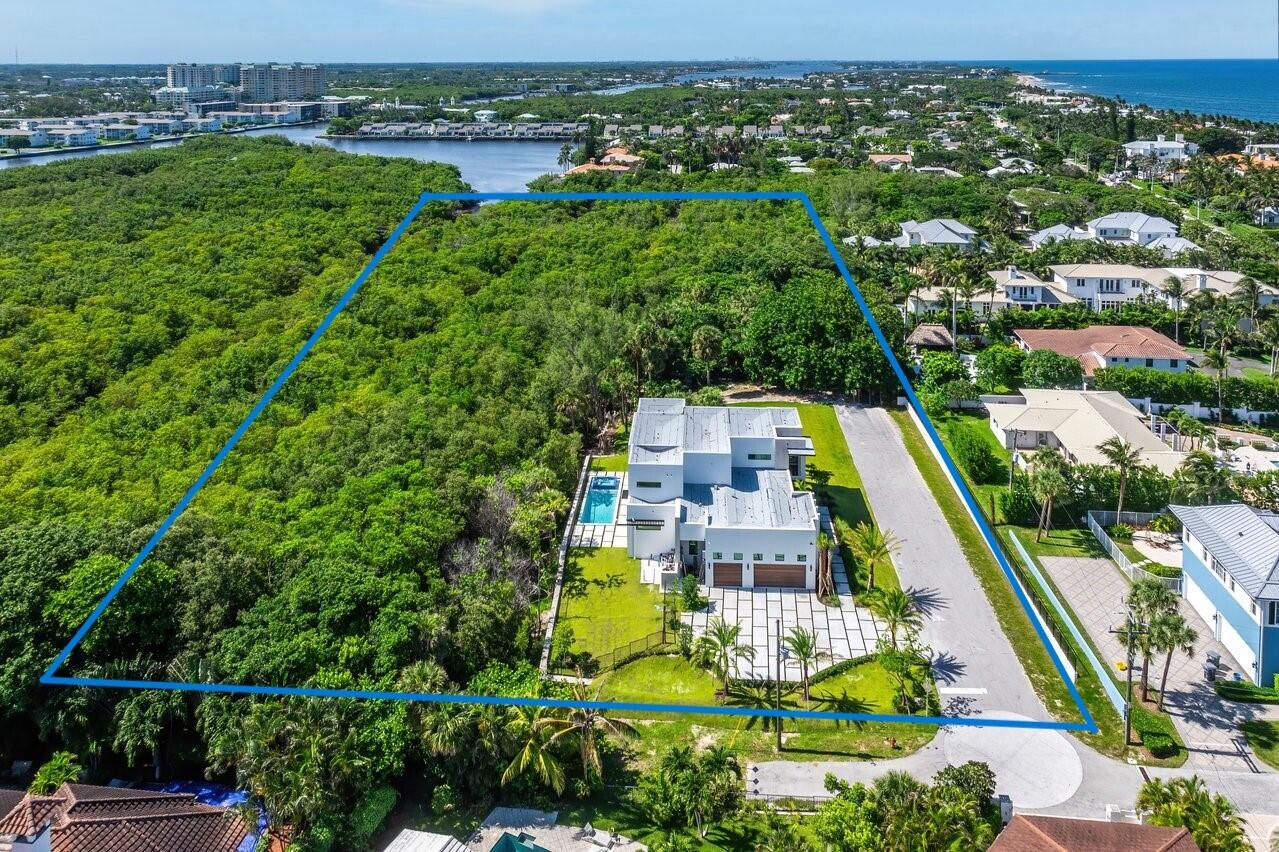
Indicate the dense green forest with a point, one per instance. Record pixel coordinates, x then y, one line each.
388 522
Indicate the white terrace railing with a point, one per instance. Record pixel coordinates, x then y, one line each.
1099 520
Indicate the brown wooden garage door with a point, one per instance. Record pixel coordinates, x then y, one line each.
727 574
779 576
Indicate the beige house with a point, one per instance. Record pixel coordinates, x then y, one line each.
1076 423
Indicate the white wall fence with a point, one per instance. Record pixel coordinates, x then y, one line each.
1099 520
562 562
1197 410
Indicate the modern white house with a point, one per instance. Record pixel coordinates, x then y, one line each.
1161 148
1107 285
1014 288
1230 562
1076 422
1012 166
1058 232
710 489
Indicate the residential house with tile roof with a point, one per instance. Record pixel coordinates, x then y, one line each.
1038 833
86 818
1230 566
1099 346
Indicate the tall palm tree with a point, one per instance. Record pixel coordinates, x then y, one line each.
898 610
1269 336
1149 600
1186 803
1247 294
1218 361
1047 483
802 644
1201 480
1123 457
825 578
583 725
720 647
872 547
1171 634
1175 289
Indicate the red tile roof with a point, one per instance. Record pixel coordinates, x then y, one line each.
85 818
1090 346
1060 834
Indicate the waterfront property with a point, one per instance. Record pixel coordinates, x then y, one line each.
1161 148
1099 346
1076 422
1230 561
711 493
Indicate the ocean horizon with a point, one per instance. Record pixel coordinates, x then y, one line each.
1244 88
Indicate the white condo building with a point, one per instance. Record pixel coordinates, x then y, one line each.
710 488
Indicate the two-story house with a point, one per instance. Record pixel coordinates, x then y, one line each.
1138 229
1100 346
1230 562
1108 285
711 487
1013 288
1161 148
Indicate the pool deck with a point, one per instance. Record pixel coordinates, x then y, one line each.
602 535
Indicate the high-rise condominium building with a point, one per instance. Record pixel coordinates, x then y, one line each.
262 82
185 74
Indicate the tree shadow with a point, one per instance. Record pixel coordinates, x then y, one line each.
946 667
929 602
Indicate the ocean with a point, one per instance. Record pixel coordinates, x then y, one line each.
1246 88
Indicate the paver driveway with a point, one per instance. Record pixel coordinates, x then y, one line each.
843 632
1095 590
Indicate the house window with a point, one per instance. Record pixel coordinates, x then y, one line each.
643 484
648 527
779 557
692 548
760 456
1150 362
737 557
758 557
801 557
1217 569
1174 363
1272 613
1252 607
717 555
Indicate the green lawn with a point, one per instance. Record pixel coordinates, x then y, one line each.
834 476
987 493
604 603
1263 737
615 463
1067 542
864 688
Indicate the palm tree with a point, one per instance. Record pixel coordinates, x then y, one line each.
898 610
802 644
566 155
537 751
1149 600
872 546
1218 361
825 580
61 768
1201 481
1269 334
1123 457
1185 803
583 724
1047 483
1175 289
719 646
1172 633
1247 294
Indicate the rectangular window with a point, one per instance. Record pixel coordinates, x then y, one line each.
643 484
648 527
1272 613
717 555
692 548
760 456
801 557
737 557
779 557
1150 362
1174 363
1217 569
758 557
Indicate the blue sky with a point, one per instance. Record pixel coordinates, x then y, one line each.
453 30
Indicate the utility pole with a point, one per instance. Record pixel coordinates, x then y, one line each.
1131 630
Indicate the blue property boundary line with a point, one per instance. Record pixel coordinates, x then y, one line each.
50 676
1103 675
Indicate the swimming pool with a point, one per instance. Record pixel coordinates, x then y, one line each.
600 505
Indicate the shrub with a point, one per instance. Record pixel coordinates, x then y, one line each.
1160 745
1121 532
690 593
1166 523
976 456
1019 507
444 799
370 813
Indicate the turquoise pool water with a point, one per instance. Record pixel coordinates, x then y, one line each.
600 505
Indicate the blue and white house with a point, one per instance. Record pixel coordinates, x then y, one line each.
1230 561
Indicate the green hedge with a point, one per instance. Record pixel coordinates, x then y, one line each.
1233 690
370 814
1185 388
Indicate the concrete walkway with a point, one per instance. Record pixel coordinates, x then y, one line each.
974 665
1095 590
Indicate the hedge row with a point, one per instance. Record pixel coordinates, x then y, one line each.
1185 388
